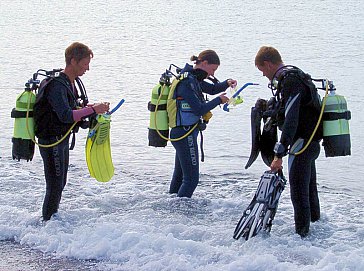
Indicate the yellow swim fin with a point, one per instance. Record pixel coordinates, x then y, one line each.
98 151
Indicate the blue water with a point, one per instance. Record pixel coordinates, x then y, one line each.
132 223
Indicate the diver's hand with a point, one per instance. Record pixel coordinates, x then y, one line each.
101 108
276 164
232 83
223 98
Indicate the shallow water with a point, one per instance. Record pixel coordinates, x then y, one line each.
132 223
15 257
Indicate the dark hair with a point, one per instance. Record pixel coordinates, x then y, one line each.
267 53
209 55
77 51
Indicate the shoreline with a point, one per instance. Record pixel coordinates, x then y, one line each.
15 257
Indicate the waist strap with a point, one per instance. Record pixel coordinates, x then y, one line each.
336 116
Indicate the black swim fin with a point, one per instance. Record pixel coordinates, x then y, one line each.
260 213
263 140
267 141
255 124
255 119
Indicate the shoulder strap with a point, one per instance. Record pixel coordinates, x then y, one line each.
61 78
281 74
82 89
42 86
313 98
286 72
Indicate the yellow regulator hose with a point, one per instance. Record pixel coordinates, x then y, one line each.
155 122
318 122
32 137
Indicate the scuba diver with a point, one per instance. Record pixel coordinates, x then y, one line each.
56 109
299 111
191 110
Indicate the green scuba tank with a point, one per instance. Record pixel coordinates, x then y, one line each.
23 145
158 119
336 134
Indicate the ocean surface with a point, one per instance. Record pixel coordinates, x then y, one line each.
131 222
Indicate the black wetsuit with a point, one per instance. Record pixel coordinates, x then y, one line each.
53 118
299 123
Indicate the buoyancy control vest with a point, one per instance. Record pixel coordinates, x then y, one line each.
167 110
310 100
310 104
179 111
333 124
46 122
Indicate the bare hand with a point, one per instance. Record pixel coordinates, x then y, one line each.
232 83
101 108
223 98
276 164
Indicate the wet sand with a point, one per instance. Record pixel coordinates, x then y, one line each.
14 257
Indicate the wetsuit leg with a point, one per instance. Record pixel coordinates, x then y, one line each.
314 199
187 152
302 178
55 160
177 176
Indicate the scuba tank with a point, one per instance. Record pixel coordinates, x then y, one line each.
24 124
336 116
23 145
158 120
163 108
158 130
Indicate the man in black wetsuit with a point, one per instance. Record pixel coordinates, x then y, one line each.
299 121
56 108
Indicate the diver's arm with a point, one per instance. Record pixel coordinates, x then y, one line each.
79 114
293 91
288 131
213 89
58 100
187 89
98 108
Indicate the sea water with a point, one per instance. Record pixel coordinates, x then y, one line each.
131 222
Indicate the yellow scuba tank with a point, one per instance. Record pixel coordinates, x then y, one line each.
23 145
158 121
336 134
